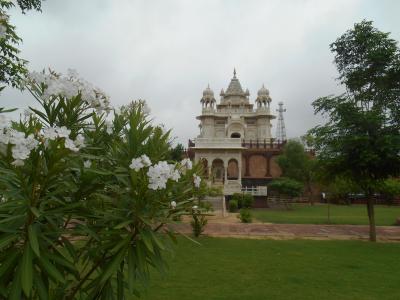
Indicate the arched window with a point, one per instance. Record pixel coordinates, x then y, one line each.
235 135
233 169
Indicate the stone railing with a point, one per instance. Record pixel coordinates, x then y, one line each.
218 143
256 190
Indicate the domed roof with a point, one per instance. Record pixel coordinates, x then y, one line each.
263 91
208 92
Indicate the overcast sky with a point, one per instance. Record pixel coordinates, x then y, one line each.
167 51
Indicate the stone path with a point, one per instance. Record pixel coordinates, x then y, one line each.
294 231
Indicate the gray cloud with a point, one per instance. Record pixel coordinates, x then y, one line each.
168 51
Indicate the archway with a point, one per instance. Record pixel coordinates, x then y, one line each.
217 171
233 169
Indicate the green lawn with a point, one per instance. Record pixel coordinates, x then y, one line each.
318 214
225 268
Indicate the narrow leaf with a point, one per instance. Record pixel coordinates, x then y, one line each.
33 240
27 270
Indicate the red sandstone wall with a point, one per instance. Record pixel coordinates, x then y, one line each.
275 169
257 166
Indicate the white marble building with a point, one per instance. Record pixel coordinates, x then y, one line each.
233 133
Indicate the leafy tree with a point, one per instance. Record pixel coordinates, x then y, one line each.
361 139
177 153
390 189
296 164
287 187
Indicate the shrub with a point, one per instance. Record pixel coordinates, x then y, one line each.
206 206
247 201
233 205
70 173
199 221
245 215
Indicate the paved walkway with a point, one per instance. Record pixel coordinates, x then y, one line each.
294 231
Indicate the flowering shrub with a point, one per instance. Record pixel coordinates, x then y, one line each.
84 195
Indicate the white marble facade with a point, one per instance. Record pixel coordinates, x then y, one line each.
226 126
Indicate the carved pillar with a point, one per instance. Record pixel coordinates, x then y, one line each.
225 174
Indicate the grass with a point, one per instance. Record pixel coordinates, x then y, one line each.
318 214
225 268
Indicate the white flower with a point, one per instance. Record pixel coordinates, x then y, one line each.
145 160
159 175
63 132
140 162
79 141
175 175
69 144
186 163
196 180
87 164
136 164
70 86
50 133
195 207
173 204
22 145
109 127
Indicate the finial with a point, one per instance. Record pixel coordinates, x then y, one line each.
234 72
263 86
208 85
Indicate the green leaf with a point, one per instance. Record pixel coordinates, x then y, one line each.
157 241
35 211
32 234
27 270
113 265
41 288
15 292
123 224
51 270
6 239
131 268
8 262
146 237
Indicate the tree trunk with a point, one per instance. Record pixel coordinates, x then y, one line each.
371 217
310 194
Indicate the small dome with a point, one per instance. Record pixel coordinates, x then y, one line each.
263 91
208 92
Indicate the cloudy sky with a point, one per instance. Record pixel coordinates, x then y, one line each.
167 51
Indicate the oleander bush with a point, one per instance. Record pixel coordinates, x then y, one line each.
85 192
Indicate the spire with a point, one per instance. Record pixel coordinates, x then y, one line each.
234 87
280 128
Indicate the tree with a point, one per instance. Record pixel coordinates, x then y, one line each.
361 139
12 67
287 187
176 153
296 164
